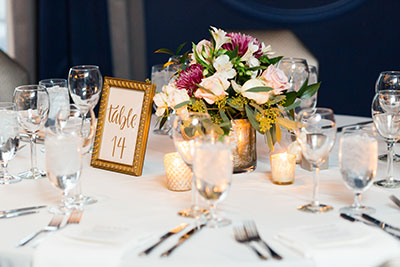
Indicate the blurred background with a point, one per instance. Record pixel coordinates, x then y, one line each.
351 41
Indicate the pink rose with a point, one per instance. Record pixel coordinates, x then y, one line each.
275 78
217 84
203 50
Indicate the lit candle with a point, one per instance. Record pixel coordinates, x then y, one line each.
282 168
179 175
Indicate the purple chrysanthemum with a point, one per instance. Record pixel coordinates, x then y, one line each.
241 41
189 77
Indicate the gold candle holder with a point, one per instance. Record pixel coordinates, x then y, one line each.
179 175
282 168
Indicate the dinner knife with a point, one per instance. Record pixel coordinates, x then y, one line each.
16 214
395 200
339 129
182 239
164 237
352 219
3 212
379 223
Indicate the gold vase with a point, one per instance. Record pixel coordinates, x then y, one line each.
245 153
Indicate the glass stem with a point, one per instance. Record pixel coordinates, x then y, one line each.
33 152
357 201
4 170
315 202
390 146
213 214
195 199
83 121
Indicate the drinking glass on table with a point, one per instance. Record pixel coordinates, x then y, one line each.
32 106
316 138
312 79
358 161
188 132
213 169
64 162
58 95
9 138
386 116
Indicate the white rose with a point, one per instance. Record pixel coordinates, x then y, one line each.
224 66
219 37
217 84
177 96
259 97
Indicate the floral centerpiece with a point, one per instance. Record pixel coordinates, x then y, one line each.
233 76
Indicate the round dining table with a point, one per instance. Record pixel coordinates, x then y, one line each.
132 213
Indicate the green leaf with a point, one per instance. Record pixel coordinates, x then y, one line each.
269 141
273 134
224 118
252 118
205 89
276 99
164 51
232 53
196 56
182 104
178 50
310 90
302 89
275 60
259 89
163 121
290 98
292 106
234 106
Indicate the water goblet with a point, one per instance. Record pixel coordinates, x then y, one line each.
358 161
296 70
8 140
312 79
187 132
213 169
32 106
316 138
58 95
63 163
385 114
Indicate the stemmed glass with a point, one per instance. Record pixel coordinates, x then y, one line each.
58 96
187 132
64 174
316 137
85 84
358 161
8 140
213 169
32 106
385 114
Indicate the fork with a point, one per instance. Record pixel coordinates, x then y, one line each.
75 217
53 225
241 237
253 235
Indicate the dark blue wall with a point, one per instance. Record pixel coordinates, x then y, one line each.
352 48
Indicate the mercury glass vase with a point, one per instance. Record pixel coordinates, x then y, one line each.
244 153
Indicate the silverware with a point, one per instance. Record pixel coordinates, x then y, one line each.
241 237
164 237
183 238
339 129
53 225
352 219
16 214
385 227
395 200
75 217
252 233
3 212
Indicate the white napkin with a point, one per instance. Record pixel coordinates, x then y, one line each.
97 245
329 244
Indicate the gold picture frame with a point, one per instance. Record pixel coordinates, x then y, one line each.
122 102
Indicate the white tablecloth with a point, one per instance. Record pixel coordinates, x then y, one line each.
144 208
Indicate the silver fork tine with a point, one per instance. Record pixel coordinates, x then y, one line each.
75 217
252 233
53 225
241 237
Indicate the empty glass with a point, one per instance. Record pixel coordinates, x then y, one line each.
58 95
64 162
358 161
213 169
9 138
187 132
385 114
316 138
296 70
388 80
32 106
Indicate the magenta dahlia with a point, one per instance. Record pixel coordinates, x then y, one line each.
241 41
189 77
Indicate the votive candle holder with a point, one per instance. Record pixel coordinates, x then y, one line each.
282 168
179 175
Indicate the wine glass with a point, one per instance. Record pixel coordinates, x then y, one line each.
296 70
64 162
312 79
213 169
316 138
32 106
58 96
187 132
8 140
385 114
358 161
388 80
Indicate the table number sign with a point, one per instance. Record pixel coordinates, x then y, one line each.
123 126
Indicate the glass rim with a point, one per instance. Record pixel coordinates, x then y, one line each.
52 81
365 128
295 59
397 72
84 67
325 110
30 87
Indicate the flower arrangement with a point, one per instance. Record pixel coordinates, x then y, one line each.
233 76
